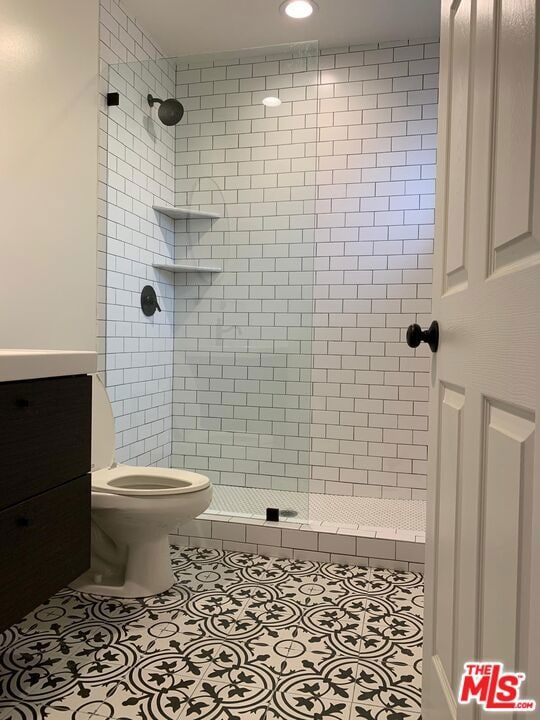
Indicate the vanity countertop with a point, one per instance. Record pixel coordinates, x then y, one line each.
29 364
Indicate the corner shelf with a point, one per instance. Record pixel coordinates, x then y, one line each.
185 267
185 213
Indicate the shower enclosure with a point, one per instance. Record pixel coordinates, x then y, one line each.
216 211
279 202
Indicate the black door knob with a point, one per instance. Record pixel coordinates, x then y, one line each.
415 336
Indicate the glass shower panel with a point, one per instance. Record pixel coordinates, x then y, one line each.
244 276
137 172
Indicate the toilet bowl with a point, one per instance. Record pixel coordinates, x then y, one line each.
133 511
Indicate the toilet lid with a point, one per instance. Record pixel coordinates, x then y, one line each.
103 433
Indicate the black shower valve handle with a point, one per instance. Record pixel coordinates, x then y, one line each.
149 301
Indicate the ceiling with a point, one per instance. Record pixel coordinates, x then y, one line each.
184 27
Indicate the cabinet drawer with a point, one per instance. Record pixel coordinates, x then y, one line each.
45 428
45 544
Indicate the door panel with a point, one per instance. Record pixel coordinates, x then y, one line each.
483 542
509 464
451 429
458 140
513 118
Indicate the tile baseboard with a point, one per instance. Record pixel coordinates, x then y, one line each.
387 548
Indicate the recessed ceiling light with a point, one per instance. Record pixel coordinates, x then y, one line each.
298 9
272 102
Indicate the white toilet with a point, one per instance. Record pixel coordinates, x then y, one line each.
133 511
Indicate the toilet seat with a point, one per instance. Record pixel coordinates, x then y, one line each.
131 480
108 477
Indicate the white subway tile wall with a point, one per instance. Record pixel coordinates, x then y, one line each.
376 184
136 156
259 346
243 338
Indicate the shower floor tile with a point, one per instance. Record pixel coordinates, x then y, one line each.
368 512
238 637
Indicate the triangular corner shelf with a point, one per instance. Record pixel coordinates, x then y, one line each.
187 267
185 213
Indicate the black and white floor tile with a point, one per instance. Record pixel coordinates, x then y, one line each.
239 637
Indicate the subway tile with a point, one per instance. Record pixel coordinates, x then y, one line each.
410 551
336 543
299 539
263 535
235 532
196 528
375 548
208 543
240 547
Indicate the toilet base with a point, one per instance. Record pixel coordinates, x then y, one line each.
148 571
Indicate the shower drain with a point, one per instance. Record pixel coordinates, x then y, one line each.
273 514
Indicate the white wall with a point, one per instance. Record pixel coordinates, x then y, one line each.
368 122
48 173
376 182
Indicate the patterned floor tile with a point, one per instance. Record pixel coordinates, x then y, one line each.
290 649
339 625
289 566
274 612
392 637
363 712
117 611
327 679
311 591
403 629
309 584
241 664
156 688
398 588
75 707
44 667
55 615
214 569
238 636
304 707
222 701
204 615
331 571
380 683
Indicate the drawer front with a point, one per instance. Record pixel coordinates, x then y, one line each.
45 429
44 545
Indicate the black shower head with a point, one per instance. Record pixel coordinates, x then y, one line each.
170 111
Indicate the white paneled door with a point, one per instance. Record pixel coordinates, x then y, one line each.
483 563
